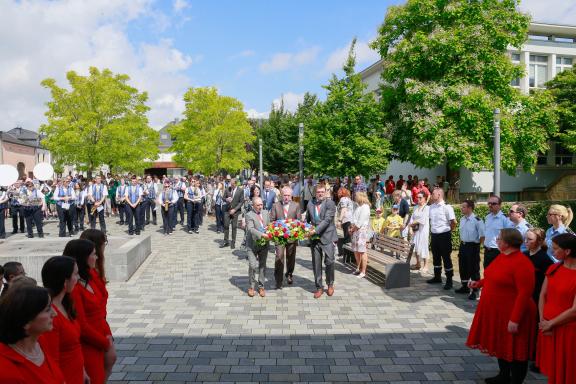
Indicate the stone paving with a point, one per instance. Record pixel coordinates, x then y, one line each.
184 317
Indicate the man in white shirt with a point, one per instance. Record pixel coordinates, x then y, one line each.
34 209
97 193
442 222
65 199
517 214
133 200
167 200
494 222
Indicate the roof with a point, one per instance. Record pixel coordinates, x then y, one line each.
568 31
7 137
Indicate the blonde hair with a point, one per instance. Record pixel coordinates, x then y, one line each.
397 193
361 198
540 236
564 212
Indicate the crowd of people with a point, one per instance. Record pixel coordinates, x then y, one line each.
527 307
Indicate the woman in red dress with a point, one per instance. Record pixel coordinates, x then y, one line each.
25 314
556 341
98 277
91 310
504 324
59 276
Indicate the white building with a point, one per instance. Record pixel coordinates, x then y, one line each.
549 50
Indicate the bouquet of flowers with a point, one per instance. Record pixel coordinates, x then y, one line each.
281 232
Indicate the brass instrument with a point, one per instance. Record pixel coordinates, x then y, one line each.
166 205
93 210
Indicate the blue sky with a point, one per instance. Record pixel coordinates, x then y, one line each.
255 50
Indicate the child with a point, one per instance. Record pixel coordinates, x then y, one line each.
377 222
393 222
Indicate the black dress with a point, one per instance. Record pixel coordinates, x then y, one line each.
541 262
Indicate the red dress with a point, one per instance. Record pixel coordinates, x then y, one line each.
507 296
556 354
91 313
98 283
63 345
16 369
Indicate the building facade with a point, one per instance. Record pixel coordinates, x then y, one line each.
549 50
21 148
164 165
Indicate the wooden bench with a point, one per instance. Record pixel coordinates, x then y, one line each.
394 254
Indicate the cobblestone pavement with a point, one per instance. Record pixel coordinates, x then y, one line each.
185 317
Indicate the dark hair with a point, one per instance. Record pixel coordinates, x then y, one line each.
99 239
252 191
55 272
18 308
566 241
79 250
512 237
470 204
521 209
497 198
11 268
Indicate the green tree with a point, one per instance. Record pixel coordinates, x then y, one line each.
445 69
100 120
344 135
563 89
214 134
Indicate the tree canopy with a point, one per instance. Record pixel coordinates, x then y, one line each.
563 89
99 120
214 134
445 70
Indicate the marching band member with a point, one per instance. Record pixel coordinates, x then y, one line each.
65 205
133 209
95 203
121 200
80 213
167 201
16 210
149 202
34 209
193 198
3 205
180 189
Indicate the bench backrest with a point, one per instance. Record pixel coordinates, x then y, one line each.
397 245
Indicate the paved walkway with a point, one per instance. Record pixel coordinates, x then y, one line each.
185 317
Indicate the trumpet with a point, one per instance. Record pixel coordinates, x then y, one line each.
93 210
166 205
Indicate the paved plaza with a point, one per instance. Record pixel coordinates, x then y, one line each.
185 317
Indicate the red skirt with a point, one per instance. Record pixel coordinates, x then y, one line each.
489 330
94 364
556 356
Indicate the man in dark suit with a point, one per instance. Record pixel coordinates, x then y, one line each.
320 213
268 195
256 223
234 198
282 210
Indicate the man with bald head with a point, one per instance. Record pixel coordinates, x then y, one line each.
256 222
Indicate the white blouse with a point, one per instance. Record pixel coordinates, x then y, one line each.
361 216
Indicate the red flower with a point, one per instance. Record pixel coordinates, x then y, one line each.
286 236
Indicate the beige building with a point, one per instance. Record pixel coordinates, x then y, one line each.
21 148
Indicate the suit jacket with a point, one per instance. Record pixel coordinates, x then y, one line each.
324 224
254 228
268 201
277 211
237 199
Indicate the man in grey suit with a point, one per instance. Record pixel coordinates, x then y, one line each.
256 223
282 210
234 198
320 213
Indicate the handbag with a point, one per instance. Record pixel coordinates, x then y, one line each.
416 227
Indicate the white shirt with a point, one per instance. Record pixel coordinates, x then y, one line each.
161 198
62 192
133 191
95 189
441 214
361 216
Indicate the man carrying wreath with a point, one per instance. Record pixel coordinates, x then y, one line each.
256 222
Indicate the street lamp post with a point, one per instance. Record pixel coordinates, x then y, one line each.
301 162
497 152
261 171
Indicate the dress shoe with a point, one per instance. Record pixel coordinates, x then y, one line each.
232 246
138 232
261 292
225 244
251 292
14 232
473 295
434 280
190 231
30 236
318 293
41 235
497 380
290 279
330 290
448 284
279 286
463 289
196 231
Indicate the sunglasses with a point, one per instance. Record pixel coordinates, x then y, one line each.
491 203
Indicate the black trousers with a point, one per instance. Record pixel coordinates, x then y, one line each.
79 217
99 215
441 245
219 218
284 256
318 254
150 211
134 215
2 224
122 212
193 212
167 218
65 217
513 372
17 213
346 239
489 255
34 214
469 262
230 221
180 208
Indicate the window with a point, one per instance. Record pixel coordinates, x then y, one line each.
515 57
542 158
538 74
563 155
563 64
164 136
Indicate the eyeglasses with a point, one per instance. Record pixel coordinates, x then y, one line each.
492 203
513 211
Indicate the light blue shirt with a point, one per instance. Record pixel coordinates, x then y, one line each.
471 229
492 226
550 234
522 227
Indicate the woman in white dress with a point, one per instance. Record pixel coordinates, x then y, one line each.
359 230
420 225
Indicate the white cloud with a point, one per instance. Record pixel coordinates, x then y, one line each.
364 55
244 53
179 5
254 114
290 99
550 11
49 38
283 60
